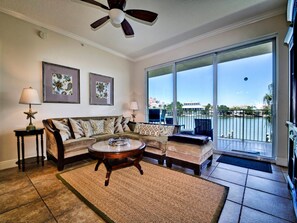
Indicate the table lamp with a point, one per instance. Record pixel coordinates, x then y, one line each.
30 96
133 107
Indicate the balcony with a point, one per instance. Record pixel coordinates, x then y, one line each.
240 131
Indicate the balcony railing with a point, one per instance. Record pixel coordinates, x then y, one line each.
253 125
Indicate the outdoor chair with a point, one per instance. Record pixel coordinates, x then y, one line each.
163 113
154 115
203 127
169 120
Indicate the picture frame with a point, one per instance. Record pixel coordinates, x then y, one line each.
101 90
61 84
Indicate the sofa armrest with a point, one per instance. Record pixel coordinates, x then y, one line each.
54 143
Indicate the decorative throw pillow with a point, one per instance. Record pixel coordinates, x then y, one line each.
125 126
62 125
87 128
150 130
118 125
77 129
166 130
109 125
137 126
98 126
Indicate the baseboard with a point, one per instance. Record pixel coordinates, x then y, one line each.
282 162
8 164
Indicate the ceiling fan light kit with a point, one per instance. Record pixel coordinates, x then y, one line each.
117 15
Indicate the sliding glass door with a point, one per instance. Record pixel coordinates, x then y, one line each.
232 89
194 92
244 95
160 94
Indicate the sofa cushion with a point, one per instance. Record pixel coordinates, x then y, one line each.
125 121
131 135
102 137
137 127
77 144
76 128
166 130
98 126
87 128
109 125
118 125
151 130
62 125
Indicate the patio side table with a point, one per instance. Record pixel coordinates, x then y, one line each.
21 133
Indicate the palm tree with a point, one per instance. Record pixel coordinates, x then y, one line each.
267 100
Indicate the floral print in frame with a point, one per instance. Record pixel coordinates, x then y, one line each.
61 84
101 90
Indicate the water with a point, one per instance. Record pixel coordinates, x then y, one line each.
247 128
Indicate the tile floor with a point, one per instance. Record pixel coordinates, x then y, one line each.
38 196
263 149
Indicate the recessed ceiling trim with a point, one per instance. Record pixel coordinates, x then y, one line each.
62 32
233 26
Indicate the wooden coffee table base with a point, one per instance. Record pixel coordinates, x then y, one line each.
116 157
114 164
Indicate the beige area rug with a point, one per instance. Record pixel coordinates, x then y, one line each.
159 195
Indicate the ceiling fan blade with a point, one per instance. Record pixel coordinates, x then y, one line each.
119 4
127 28
99 22
93 2
144 15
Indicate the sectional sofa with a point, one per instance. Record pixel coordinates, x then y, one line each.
68 139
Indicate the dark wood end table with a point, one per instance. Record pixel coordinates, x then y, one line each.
116 157
21 133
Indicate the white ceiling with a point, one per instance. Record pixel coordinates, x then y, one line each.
178 21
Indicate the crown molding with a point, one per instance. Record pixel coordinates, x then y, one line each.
233 26
83 40
63 32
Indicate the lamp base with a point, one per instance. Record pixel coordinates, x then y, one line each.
30 127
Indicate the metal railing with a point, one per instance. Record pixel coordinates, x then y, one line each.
254 125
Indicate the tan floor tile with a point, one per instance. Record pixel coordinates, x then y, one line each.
62 201
49 168
18 198
47 185
10 184
11 172
80 214
34 212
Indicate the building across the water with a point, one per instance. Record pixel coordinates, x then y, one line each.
193 106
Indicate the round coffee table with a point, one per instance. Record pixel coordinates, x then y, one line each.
116 157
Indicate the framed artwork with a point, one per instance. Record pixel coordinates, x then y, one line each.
101 90
60 84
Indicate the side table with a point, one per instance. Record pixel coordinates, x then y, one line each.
21 133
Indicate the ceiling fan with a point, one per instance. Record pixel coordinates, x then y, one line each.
117 15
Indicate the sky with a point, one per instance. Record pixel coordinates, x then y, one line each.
196 85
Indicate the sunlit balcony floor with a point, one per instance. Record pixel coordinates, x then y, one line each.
245 148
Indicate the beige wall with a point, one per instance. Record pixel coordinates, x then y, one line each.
21 54
276 25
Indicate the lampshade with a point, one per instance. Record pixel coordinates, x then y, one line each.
133 105
29 96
